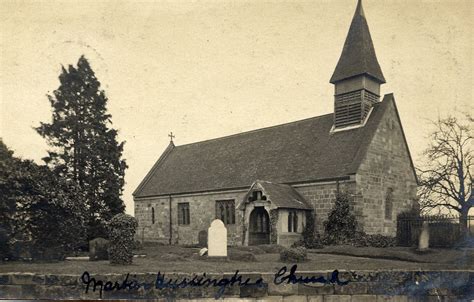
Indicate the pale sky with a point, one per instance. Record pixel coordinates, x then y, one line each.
205 69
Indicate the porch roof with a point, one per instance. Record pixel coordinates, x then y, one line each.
280 195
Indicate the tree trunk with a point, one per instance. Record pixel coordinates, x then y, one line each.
463 221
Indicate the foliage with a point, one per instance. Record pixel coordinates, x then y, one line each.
7 203
122 228
84 147
273 226
293 255
311 239
361 239
310 235
4 246
40 207
446 175
341 224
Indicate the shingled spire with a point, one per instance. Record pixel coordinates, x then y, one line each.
358 55
357 77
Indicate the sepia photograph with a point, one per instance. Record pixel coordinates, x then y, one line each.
237 150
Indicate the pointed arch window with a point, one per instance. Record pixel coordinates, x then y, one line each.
152 215
389 204
183 213
225 211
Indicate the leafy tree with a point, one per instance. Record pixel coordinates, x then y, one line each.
446 175
84 146
7 204
39 206
342 223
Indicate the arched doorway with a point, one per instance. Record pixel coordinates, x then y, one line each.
259 227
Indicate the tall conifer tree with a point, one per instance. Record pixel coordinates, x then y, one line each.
84 144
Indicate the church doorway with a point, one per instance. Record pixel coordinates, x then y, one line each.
259 227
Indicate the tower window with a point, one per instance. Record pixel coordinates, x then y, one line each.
292 222
389 204
183 213
348 109
225 211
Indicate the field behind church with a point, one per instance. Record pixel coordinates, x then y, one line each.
186 259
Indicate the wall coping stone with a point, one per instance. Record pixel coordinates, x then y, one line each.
393 283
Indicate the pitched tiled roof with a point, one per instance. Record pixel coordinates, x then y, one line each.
296 152
358 55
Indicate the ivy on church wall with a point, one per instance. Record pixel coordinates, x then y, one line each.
273 226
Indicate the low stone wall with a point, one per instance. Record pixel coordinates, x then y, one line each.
362 286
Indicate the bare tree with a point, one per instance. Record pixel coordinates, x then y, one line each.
446 175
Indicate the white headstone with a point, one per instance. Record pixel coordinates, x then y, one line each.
424 242
217 239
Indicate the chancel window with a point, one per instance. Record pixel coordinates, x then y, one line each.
183 213
152 215
389 203
225 211
292 222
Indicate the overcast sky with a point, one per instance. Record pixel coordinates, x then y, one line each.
205 69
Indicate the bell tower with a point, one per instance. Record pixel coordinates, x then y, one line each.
357 77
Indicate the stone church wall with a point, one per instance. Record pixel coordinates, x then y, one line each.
322 197
201 211
385 168
147 230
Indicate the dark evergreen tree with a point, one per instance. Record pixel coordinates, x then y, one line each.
84 144
341 225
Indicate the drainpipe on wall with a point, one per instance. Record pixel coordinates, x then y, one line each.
171 221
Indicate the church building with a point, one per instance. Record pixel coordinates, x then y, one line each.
263 183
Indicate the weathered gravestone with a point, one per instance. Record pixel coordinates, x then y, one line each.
98 249
202 238
424 241
217 239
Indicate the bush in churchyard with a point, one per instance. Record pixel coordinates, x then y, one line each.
293 255
310 235
361 239
121 230
341 224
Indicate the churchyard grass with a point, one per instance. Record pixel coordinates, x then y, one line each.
185 259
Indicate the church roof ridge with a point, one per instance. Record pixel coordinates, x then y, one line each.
255 130
358 54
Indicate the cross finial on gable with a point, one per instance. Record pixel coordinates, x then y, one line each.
171 136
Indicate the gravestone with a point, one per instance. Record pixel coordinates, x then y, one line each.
98 249
202 238
424 241
217 239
